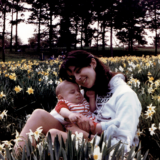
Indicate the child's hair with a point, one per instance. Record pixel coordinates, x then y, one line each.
80 59
60 87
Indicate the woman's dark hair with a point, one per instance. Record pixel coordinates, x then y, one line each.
80 59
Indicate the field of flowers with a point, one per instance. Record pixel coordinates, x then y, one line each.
27 85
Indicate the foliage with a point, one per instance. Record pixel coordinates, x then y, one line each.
74 148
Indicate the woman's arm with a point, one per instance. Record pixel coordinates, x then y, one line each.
128 110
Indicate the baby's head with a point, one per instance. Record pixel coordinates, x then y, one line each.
69 91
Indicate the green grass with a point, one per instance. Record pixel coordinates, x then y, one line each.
30 54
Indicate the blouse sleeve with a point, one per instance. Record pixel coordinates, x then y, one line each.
128 110
61 104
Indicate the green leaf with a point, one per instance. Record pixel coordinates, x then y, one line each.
8 155
64 154
56 147
101 141
49 140
27 148
130 153
69 146
1 157
139 152
23 152
115 153
146 154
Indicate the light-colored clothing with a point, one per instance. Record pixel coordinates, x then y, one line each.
120 104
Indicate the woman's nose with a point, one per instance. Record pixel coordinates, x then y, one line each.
78 77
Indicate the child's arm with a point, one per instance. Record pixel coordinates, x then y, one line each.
73 117
92 100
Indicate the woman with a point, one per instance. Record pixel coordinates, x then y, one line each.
115 100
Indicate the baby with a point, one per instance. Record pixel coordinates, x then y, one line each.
71 104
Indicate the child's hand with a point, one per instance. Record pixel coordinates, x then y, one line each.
90 94
73 117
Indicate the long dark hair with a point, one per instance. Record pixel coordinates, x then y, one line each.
80 59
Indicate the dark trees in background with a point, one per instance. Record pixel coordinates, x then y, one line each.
128 18
37 17
152 19
128 23
18 8
52 8
4 8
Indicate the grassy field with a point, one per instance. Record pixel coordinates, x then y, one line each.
31 54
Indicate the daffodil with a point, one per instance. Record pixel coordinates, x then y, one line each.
38 132
57 82
2 95
17 89
152 129
1 148
151 108
50 82
121 68
97 155
149 114
79 138
17 139
150 90
149 74
30 134
4 113
7 143
158 98
151 79
30 90
139 132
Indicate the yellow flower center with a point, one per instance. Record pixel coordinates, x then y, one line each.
95 156
36 132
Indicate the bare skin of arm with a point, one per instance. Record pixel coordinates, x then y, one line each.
73 117
92 100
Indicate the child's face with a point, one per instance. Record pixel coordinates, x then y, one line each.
71 93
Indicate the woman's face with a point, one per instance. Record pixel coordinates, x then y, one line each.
85 76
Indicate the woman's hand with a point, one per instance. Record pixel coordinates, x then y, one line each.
85 124
73 117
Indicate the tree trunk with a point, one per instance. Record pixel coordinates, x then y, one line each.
103 36
111 37
11 33
156 35
16 36
39 30
76 35
70 39
3 34
81 34
97 31
85 31
50 31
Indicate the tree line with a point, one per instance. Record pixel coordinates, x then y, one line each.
128 18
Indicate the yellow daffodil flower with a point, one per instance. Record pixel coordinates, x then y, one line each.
30 90
2 95
17 89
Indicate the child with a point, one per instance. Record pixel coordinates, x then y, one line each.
71 104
